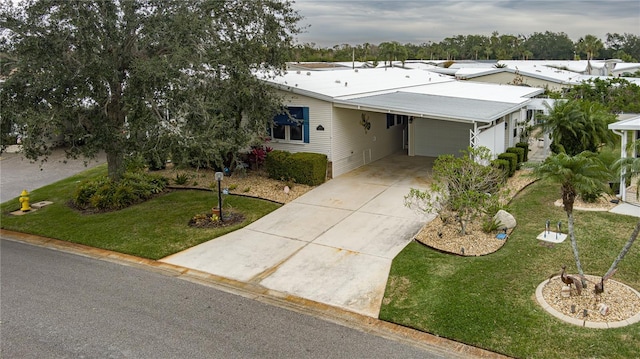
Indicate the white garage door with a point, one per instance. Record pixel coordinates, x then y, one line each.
434 138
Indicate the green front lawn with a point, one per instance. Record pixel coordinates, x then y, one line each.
482 301
153 229
489 301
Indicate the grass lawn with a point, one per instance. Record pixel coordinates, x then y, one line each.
153 229
490 302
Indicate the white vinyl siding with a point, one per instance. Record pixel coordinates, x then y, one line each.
493 139
353 147
319 114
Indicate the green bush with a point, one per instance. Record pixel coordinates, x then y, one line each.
277 164
502 164
104 194
513 161
525 147
518 151
302 167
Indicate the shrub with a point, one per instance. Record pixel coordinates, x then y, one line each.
302 167
518 151
502 164
513 161
181 179
104 194
525 147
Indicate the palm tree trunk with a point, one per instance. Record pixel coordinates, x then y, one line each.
574 244
625 249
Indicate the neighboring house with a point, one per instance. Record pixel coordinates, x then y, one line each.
357 116
628 123
525 75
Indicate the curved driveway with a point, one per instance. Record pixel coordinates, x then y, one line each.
333 245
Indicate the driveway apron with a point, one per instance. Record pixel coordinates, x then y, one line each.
333 245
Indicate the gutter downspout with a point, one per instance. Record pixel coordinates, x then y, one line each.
623 154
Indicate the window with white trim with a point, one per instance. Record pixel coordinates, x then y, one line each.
291 126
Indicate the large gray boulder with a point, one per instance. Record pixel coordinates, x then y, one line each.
505 219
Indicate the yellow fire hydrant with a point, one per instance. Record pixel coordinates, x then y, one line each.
24 200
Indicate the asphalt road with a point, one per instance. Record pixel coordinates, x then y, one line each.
60 305
18 173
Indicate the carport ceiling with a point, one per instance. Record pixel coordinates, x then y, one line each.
433 106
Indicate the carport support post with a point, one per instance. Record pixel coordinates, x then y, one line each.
218 177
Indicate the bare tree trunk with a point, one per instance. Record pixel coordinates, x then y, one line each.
574 244
115 164
625 249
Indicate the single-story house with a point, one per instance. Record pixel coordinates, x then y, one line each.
356 116
628 124
532 75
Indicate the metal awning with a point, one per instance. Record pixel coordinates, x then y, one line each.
433 106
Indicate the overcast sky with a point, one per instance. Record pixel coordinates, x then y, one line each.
334 22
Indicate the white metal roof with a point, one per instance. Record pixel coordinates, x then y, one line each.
433 106
536 71
479 91
629 122
358 82
408 91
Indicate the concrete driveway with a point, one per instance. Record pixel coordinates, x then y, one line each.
333 245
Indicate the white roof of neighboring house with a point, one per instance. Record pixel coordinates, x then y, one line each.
627 122
628 66
536 71
408 91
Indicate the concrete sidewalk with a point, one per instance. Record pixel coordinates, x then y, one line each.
333 245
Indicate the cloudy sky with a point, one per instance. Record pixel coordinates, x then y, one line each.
334 22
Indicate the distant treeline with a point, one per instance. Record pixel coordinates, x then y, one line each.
539 46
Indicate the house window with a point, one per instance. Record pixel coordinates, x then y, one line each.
391 120
291 127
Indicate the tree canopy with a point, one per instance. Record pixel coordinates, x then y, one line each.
578 125
537 46
143 76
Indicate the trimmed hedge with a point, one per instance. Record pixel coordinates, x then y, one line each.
525 147
302 167
513 161
518 151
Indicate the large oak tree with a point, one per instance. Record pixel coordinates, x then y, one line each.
139 76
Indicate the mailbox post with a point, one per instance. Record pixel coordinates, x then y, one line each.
218 177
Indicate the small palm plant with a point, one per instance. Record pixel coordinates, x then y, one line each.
583 173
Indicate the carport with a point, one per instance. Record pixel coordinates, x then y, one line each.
443 124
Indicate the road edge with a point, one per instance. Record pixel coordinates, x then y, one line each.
283 300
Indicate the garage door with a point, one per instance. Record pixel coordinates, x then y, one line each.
434 138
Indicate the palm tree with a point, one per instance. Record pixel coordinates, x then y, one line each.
562 123
575 174
590 45
578 125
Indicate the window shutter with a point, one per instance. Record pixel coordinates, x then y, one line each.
305 124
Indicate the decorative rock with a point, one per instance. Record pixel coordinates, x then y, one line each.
603 309
505 219
566 291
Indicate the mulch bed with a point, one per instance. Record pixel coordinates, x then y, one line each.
208 220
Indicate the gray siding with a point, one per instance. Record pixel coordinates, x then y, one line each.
434 138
